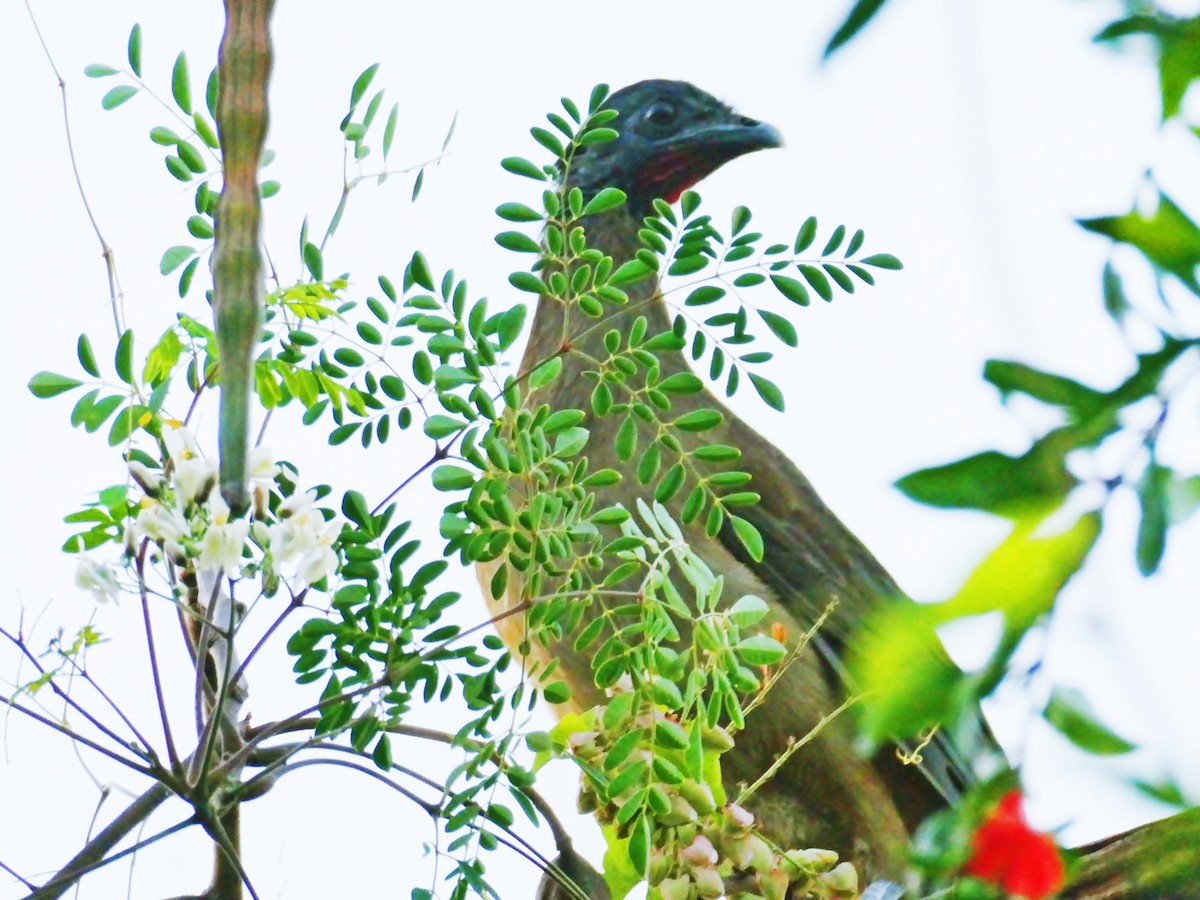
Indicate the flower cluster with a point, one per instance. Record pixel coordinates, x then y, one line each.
180 511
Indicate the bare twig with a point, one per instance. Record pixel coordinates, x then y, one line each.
155 672
114 285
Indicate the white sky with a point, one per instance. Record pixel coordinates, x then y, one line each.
965 137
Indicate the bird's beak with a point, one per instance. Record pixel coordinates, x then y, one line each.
729 139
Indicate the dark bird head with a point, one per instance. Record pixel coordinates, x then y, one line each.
672 135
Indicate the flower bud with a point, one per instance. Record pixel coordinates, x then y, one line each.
749 851
708 882
773 885
700 852
150 481
841 878
681 813
698 794
812 860
717 739
675 888
738 817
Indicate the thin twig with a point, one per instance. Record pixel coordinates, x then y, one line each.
93 855
114 284
20 644
148 771
13 872
792 748
296 602
155 672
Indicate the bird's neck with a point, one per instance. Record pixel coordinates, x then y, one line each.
559 325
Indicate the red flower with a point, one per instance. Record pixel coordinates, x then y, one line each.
1011 855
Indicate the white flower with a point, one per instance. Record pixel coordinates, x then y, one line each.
181 443
319 561
96 577
302 539
148 479
161 523
262 468
223 541
195 477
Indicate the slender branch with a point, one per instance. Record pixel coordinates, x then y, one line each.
430 809
114 285
229 863
29 885
789 659
792 748
20 644
148 771
155 672
296 602
93 855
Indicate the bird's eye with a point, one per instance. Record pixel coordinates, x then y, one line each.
660 114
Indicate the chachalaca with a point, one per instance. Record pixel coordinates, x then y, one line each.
671 136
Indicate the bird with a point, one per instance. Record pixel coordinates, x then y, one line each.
671 135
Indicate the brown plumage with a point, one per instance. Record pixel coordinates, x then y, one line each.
672 135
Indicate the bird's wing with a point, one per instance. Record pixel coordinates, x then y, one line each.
811 560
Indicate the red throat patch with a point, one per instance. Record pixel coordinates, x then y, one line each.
670 175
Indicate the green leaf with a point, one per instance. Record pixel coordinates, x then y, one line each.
528 282
1168 238
545 374
518 212
791 289
174 258
523 167
117 96
1116 304
640 843
200 228
748 610
768 390
698 420
749 536
361 83
994 482
313 261
51 384
780 326
817 281
1152 528
606 199
389 130
704 295
518 242
355 508
806 235
124 357
557 692
1024 574
681 383
181 88
1014 377
882 261
87 359
860 14
134 50
835 240
760 650
98 70
1068 711
452 478
438 426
